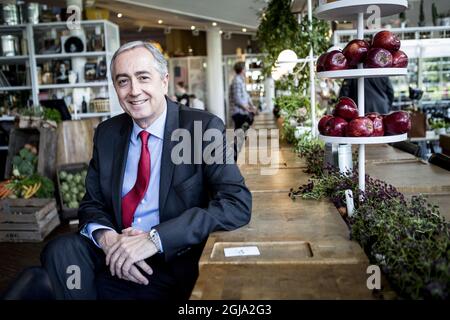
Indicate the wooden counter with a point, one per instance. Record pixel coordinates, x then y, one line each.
412 176
283 281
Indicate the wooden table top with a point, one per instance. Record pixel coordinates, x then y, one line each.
412 176
283 281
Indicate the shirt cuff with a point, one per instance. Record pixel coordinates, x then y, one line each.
90 228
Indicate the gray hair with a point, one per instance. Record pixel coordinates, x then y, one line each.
160 61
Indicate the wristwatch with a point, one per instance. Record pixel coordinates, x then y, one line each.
154 237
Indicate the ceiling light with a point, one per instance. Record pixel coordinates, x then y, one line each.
160 21
214 24
119 15
192 27
244 30
220 31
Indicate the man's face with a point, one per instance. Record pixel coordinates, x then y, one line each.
138 84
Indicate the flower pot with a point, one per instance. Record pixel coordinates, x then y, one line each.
440 131
301 130
24 122
35 122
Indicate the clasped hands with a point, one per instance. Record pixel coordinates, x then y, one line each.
126 252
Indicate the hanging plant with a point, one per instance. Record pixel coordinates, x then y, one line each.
280 30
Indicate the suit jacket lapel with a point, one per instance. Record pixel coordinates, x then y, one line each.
120 159
167 165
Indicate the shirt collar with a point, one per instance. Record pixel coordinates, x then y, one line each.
156 129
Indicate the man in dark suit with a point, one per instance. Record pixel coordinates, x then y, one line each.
146 215
378 93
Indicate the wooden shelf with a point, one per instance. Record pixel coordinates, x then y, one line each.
70 55
16 88
74 85
13 59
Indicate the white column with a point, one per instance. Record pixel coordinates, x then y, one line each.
269 87
214 73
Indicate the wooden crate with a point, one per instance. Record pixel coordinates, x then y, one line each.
27 220
75 141
66 212
44 139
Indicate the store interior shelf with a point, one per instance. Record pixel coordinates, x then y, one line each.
70 55
357 73
74 85
7 118
13 59
16 88
349 9
9 28
364 140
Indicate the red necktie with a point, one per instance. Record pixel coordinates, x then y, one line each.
132 199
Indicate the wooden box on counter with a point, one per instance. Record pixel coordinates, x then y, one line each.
27 220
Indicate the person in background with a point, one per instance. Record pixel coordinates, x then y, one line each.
181 93
195 102
379 93
241 105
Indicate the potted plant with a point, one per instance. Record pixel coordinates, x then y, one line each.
439 126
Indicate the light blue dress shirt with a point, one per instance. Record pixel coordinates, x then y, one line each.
146 215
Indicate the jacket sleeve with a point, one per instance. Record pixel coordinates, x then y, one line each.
92 207
229 207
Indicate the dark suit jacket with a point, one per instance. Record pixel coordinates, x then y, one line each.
194 199
379 94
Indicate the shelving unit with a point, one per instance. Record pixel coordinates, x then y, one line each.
32 58
357 10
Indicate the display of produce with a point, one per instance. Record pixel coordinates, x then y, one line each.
25 182
383 52
72 187
345 122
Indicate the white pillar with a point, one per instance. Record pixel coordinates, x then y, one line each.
214 73
269 86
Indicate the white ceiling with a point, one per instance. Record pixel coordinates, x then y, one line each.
242 13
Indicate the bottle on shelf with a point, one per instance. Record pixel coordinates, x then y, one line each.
84 106
249 48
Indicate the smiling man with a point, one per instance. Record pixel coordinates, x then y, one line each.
144 219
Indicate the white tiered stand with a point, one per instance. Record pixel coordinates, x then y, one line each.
352 10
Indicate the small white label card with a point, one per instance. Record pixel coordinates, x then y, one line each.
241 251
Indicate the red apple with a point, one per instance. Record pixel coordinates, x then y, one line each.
336 127
356 51
335 60
360 127
378 126
378 58
386 40
323 123
399 59
346 108
397 122
320 62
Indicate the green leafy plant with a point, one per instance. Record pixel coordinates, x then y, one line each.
279 30
52 115
438 124
24 164
312 150
408 239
